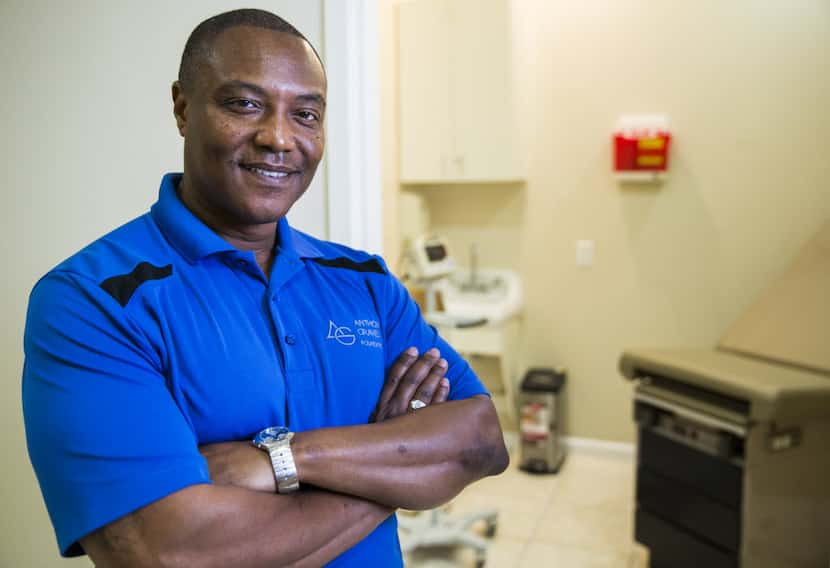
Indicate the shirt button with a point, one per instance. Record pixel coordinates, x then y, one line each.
290 339
241 263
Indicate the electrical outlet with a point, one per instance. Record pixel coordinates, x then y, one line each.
584 253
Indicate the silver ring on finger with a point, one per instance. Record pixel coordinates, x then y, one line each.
416 404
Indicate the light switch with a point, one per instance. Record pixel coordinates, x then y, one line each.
584 253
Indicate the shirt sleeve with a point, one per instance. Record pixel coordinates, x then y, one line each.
104 435
405 327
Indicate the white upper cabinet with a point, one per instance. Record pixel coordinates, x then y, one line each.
457 111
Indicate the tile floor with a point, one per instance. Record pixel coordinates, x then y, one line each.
578 518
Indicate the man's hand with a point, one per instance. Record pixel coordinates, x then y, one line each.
412 378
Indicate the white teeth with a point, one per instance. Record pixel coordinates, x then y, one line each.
267 173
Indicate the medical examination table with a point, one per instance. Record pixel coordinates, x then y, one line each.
733 452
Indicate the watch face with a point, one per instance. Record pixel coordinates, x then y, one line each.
272 434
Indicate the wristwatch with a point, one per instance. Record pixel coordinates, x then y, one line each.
276 440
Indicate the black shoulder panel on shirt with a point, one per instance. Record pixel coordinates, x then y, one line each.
122 287
371 265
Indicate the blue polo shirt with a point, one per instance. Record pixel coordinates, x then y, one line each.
161 336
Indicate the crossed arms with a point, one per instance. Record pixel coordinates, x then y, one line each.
353 478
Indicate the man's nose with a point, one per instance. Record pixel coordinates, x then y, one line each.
276 134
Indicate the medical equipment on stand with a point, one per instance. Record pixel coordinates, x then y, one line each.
477 312
432 260
458 297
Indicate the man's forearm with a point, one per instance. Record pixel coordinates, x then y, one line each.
416 461
215 526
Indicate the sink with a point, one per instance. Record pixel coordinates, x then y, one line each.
492 294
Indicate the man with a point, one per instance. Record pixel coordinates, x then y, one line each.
155 354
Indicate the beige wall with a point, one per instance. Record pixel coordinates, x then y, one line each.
745 84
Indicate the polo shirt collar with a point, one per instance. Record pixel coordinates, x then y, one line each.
297 242
195 240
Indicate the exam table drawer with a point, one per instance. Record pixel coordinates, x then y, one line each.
714 477
688 509
671 547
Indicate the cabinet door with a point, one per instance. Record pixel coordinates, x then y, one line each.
424 70
484 135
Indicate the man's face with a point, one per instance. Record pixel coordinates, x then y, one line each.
253 128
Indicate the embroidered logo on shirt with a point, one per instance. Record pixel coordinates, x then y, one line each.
369 332
367 329
340 333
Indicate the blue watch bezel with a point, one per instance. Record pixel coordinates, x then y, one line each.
270 434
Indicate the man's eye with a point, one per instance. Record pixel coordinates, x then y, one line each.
242 104
308 116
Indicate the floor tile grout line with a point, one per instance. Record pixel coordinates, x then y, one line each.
547 505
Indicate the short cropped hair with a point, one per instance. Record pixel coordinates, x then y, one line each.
200 43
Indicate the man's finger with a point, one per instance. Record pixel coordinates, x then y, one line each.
412 379
427 390
393 378
443 392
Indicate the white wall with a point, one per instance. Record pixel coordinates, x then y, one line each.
87 130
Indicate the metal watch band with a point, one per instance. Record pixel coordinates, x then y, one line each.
282 460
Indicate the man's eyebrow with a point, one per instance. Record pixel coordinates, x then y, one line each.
313 98
236 84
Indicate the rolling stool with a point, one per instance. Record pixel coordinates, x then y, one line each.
437 528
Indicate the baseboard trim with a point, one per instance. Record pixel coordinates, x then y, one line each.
599 446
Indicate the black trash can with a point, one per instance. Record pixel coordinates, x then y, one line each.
540 412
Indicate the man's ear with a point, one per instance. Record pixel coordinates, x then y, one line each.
179 107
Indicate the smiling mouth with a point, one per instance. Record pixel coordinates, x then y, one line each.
271 174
